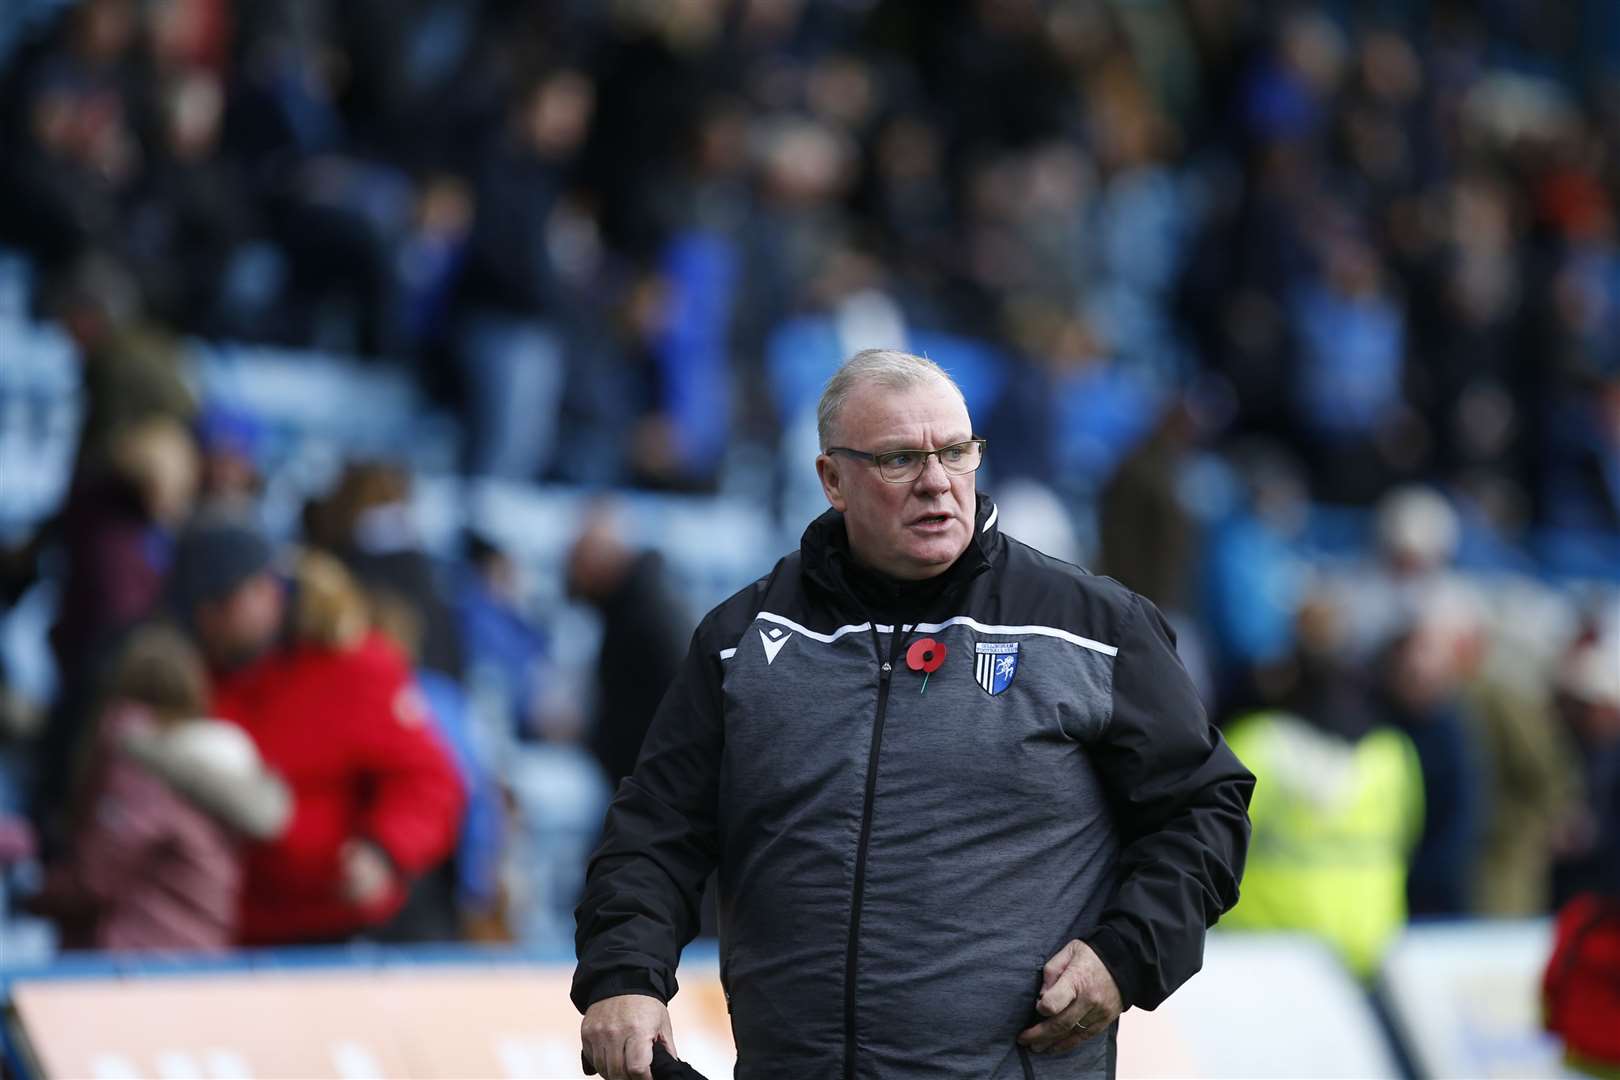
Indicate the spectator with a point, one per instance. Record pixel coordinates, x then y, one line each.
117 532
465 894
506 651
330 705
132 367
1588 696
366 521
1582 485
118 527
1580 1002
231 441
1347 388
556 788
187 221
1579 986
79 109
1338 807
1255 577
1416 536
1533 781
155 861
643 631
513 298
1148 533
1422 675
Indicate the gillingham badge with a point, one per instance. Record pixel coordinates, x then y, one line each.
994 664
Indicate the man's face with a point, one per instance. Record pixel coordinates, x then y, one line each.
909 531
244 623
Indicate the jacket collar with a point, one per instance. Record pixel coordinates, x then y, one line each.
826 560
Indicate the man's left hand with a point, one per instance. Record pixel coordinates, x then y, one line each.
367 872
1079 997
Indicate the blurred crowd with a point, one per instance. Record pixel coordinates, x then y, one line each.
1381 234
1204 268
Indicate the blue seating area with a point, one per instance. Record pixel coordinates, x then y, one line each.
39 420
317 411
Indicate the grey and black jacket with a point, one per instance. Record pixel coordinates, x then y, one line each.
898 860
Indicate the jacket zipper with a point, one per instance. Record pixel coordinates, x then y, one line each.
850 959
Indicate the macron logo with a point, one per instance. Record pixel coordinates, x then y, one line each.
773 640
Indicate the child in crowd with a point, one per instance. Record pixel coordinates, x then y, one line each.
164 797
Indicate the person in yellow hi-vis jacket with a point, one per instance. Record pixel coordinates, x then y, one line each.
1336 814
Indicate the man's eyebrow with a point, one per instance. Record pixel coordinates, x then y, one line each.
886 448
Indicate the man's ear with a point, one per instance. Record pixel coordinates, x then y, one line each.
832 481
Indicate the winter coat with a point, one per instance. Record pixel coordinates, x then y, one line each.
897 860
348 731
149 869
643 629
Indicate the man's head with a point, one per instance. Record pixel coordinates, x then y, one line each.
882 401
600 559
157 457
223 587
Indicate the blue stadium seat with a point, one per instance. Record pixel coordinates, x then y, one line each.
800 356
40 414
327 406
978 368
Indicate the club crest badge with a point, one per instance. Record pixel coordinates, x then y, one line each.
994 665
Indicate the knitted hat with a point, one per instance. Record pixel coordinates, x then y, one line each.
212 557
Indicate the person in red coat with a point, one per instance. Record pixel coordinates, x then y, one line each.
332 708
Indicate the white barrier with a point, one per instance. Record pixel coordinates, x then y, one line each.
1466 998
1265 1005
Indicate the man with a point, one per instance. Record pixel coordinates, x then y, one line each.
643 630
964 802
331 707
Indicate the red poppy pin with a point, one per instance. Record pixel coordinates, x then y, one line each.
925 655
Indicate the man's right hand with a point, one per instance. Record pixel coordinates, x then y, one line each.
618 1034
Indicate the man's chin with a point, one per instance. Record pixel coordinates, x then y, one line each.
936 554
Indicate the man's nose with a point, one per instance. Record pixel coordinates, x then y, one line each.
934 479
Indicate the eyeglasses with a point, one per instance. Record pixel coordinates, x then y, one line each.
904 466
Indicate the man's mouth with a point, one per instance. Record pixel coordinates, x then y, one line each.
932 521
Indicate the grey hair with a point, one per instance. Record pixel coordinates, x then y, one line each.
888 368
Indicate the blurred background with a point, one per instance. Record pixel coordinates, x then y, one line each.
499 324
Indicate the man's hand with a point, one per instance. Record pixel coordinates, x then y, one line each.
1079 997
618 1036
367 872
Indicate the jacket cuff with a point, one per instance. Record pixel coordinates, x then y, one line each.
623 981
1115 953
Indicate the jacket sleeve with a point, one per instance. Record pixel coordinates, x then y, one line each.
254 801
1180 799
131 819
659 844
416 801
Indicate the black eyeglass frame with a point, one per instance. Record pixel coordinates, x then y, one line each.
875 460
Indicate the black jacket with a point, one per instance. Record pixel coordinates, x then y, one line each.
898 860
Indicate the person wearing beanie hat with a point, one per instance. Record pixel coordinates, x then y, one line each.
222 587
213 556
376 798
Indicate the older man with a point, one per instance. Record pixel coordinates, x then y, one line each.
964 802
